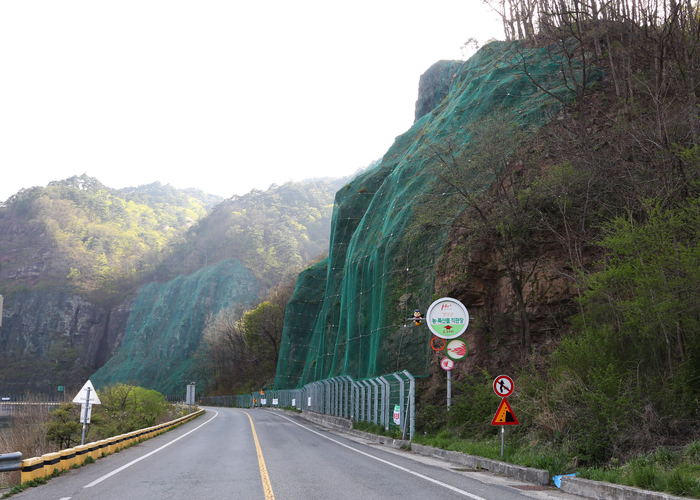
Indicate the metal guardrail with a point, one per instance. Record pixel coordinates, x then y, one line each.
46 464
369 400
10 461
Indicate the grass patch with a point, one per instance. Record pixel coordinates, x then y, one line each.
394 431
676 472
667 471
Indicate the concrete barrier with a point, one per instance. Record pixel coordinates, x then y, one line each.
527 474
337 423
609 491
44 465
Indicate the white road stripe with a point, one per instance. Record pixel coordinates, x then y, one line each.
116 471
461 492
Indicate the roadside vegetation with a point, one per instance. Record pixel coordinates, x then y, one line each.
35 431
606 199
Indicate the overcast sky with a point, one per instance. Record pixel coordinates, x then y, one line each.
222 96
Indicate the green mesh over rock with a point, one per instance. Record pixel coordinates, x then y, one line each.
376 275
165 327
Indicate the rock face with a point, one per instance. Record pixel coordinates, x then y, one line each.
434 85
382 262
52 339
165 326
479 283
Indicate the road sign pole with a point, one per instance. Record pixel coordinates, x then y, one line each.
503 434
87 403
449 389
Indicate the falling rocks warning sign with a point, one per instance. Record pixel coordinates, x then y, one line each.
504 415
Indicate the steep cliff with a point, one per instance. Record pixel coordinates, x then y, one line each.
51 339
381 264
165 325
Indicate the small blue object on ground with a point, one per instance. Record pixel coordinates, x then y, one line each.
557 479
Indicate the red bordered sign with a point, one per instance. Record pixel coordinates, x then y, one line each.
447 364
503 386
504 415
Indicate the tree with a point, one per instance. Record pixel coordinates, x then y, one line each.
64 427
500 218
126 408
224 357
263 332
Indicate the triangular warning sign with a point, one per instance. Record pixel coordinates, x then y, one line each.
504 415
82 396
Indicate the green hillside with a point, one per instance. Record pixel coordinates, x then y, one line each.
81 236
381 266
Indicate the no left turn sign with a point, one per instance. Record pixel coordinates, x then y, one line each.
503 386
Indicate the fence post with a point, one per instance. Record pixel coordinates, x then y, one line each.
347 394
386 390
376 399
401 399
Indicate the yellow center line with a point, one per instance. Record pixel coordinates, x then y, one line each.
267 486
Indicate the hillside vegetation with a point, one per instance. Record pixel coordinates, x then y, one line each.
580 263
565 165
75 256
78 235
272 232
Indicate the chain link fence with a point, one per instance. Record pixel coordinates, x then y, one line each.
387 401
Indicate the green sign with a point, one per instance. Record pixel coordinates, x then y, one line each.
60 388
447 318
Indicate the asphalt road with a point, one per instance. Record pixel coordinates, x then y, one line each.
260 455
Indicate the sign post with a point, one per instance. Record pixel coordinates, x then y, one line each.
190 400
503 387
448 319
86 397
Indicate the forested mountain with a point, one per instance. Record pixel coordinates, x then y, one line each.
74 257
271 232
555 191
80 236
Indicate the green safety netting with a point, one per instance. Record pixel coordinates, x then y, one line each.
166 323
348 314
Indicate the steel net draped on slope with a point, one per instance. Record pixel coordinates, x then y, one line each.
352 321
166 323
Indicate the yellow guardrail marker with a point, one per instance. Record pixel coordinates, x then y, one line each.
267 486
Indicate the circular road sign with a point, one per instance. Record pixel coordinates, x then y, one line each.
447 364
503 386
447 318
456 349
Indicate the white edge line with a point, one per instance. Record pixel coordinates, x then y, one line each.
449 487
116 471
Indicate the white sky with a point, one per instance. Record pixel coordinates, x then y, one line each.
223 96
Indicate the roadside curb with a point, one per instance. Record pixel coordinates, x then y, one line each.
527 474
598 489
585 488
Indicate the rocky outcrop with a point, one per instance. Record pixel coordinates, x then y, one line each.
434 85
54 338
382 258
165 326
